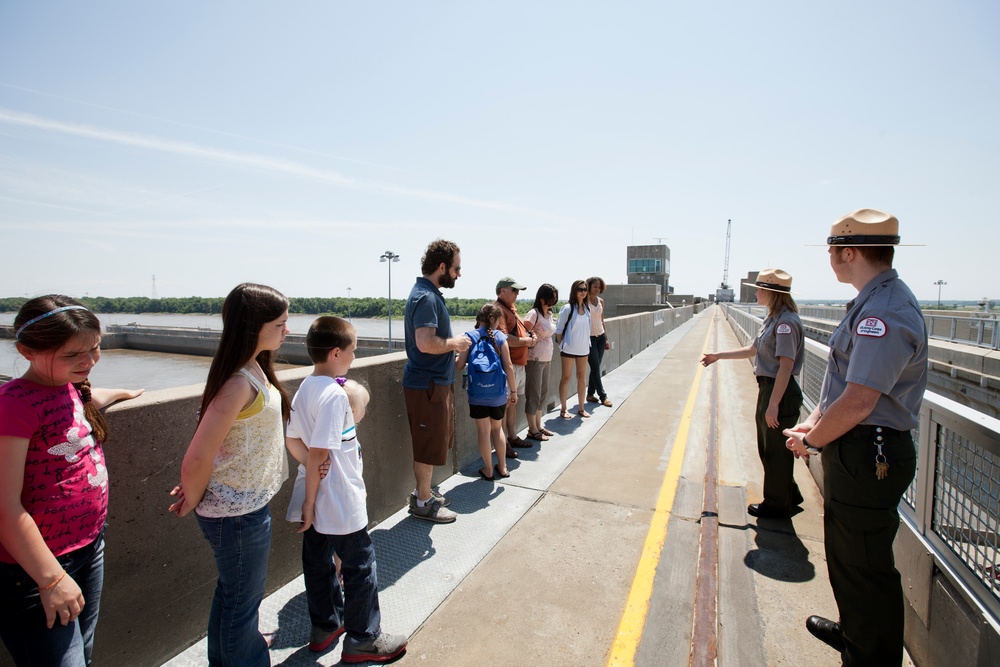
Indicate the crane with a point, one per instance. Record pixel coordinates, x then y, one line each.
724 293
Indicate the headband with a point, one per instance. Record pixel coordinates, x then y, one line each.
773 286
27 324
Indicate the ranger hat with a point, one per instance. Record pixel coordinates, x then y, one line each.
774 280
511 283
865 227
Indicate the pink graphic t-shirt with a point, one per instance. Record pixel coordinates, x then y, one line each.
65 481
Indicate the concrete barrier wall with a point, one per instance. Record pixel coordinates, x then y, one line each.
160 573
203 342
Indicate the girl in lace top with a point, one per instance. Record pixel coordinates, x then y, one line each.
235 464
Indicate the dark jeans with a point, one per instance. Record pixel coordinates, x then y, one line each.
595 387
780 490
241 545
356 608
22 619
860 524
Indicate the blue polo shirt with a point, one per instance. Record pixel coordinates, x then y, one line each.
425 307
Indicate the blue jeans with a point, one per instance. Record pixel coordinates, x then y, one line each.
22 619
241 545
328 610
595 387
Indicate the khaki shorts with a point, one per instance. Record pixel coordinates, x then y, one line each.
520 375
431 413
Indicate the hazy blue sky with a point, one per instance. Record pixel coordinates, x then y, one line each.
293 143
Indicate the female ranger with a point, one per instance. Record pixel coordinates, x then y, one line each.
778 353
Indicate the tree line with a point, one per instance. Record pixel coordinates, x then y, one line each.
371 307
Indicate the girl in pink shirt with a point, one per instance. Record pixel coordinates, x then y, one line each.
53 486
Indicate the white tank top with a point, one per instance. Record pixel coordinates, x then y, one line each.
596 317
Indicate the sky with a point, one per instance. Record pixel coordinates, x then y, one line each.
292 144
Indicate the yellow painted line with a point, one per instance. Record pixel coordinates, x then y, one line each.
637 606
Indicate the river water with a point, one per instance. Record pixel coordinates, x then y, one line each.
155 370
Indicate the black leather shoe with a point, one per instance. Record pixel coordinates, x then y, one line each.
826 631
765 512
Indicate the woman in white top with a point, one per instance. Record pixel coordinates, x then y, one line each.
598 341
541 326
573 336
235 464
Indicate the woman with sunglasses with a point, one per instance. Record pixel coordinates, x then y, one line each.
573 336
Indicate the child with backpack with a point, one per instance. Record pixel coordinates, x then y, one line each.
491 387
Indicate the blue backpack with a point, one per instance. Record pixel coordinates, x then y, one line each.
487 379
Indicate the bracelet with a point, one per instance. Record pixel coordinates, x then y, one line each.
53 584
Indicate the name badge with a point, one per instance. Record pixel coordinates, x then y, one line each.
872 327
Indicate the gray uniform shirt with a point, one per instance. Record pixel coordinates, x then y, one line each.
780 336
881 343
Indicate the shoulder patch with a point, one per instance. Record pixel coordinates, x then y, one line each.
784 328
872 327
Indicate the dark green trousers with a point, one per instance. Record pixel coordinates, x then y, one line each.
780 491
860 524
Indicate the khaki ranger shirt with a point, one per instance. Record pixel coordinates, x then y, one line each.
881 343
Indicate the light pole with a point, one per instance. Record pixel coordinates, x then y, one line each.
349 305
390 257
939 283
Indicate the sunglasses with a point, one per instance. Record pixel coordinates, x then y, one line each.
582 289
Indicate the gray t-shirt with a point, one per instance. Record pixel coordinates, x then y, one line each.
780 336
881 343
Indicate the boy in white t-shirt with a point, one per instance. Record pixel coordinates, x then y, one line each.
334 514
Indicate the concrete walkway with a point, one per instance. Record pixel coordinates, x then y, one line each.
538 567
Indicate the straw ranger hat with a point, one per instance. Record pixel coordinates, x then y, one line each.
865 227
774 280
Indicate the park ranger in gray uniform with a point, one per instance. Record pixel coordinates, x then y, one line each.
875 380
778 354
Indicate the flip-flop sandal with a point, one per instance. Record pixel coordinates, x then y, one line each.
483 474
496 471
565 414
583 413
546 431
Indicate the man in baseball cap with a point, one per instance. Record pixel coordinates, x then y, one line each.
519 341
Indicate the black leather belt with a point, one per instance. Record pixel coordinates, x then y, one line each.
868 432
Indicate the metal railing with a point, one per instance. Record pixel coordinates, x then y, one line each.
953 503
970 328
982 329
